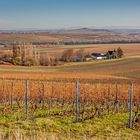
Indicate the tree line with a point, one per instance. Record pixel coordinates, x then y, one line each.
29 55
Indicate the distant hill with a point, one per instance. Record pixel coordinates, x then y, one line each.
126 31
78 30
87 30
100 30
72 36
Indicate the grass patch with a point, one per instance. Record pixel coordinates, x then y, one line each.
108 127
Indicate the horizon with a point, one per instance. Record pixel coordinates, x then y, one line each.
52 15
72 28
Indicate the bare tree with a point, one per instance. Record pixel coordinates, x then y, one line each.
68 55
81 54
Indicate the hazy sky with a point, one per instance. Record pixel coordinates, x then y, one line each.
46 14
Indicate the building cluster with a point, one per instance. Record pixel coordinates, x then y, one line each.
108 55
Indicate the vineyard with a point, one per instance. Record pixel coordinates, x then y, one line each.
96 98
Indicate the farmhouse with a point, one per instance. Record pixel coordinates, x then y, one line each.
108 55
111 54
98 56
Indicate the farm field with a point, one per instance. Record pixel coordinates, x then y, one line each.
129 49
66 37
122 69
103 98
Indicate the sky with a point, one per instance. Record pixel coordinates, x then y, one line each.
56 14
